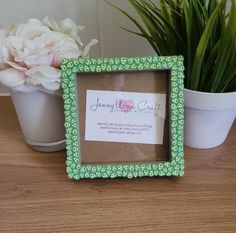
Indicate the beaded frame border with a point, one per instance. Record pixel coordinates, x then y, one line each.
174 167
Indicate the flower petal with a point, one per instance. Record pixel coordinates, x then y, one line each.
49 77
17 66
34 21
4 55
87 48
33 61
25 88
48 72
12 77
57 92
51 23
14 43
67 25
3 34
51 86
31 30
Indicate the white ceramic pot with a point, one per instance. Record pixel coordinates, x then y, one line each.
208 118
41 117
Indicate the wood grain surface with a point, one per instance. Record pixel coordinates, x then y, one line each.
36 195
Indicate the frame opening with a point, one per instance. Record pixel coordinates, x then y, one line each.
142 83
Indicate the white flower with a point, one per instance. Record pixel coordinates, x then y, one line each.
30 53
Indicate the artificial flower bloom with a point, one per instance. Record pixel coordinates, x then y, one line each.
30 53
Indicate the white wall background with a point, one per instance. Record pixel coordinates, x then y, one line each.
101 21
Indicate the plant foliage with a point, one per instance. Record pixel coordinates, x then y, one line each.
201 30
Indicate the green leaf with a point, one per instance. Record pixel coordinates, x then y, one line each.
188 20
198 61
167 25
226 51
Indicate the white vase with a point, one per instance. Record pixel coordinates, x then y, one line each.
41 117
208 118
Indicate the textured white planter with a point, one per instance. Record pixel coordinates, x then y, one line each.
41 117
208 118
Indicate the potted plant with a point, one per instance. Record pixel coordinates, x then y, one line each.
30 55
205 33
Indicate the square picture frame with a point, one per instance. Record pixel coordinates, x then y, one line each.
72 69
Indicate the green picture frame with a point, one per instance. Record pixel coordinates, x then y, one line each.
174 167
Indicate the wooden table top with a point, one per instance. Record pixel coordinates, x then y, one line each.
36 195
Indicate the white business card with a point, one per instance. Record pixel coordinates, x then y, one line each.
129 117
